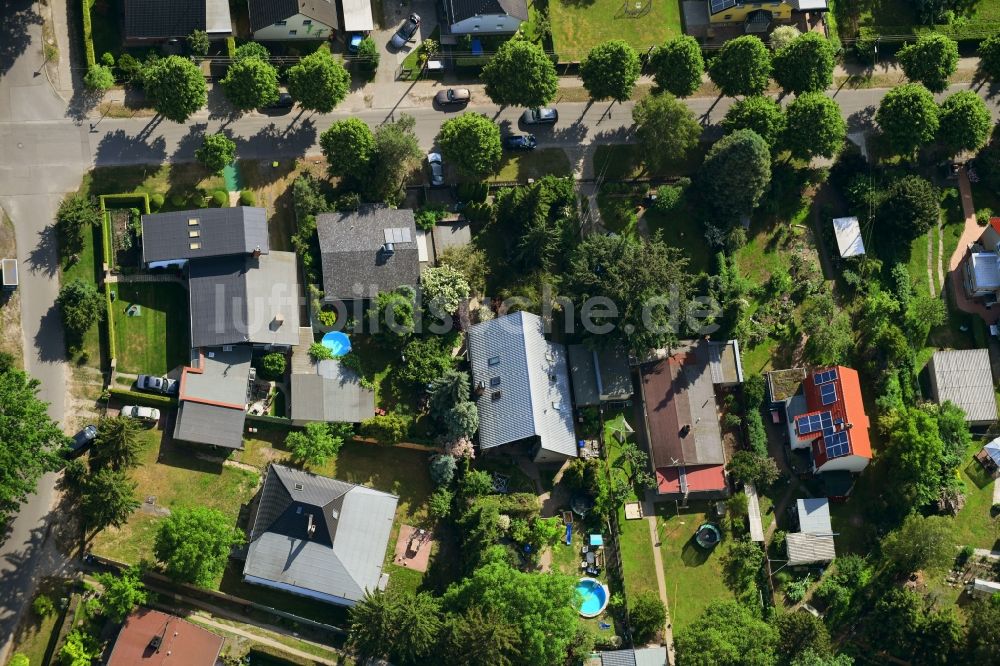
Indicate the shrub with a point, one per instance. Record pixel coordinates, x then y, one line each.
668 199
442 469
427 217
129 69
273 365
248 198
319 352
177 199
327 317
796 590
155 201
43 606
440 502
389 428
648 616
220 198
472 192
983 216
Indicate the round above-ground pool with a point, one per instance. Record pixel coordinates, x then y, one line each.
594 596
337 342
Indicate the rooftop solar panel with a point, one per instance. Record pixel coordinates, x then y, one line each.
836 445
828 393
825 376
722 5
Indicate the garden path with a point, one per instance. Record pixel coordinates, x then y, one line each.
970 235
661 585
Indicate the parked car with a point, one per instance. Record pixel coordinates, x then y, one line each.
405 32
453 97
152 384
283 103
144 414
520 142
540 117
82 440
436 165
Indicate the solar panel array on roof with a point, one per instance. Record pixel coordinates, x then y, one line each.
810 423
836 444
828 393
722 5
398 235
824 377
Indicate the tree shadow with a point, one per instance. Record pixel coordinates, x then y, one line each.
16 19
692 554
219 107
862 121
44 257
982 80
189 143
119 147
271 140
82 103
50 345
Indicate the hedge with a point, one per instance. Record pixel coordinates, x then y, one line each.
88 36
231 47
147 399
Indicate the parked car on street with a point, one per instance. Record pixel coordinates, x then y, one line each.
82 440
436 165
283 103
540 117
453 97
145 414
163 385
520 142
405 32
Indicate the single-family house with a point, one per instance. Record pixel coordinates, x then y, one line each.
213 395
599 377
981 266
964 377
152 21
153 638
327 391
473 17
814 541
682 418
847 230
284 20
828 419
318 537
364 252
175 238
640 656
758 17
521 387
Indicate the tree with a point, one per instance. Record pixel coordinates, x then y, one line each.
813 658
750 467
520 74
393 313
397 154
543 223
799 633
758 113
252 50
965 122
830 331
427 358
19 659
79 649
983 643
726 634
371 622
401 626
273 365
742 67
319 81
108 499
348 146
439 503
647 281
217 151
815 126
77 216
495 639
736 173
99 78
194 544
921 542
462 420
805 65
666 129
908 117
81 305
388 428
782 36
448 390
930 61
989 56
444 289
121 593
647 615
634 462
250 84
610 70
197 42
117 445
318 442
678 66
909 208
471 142
175 87
368 56
442 469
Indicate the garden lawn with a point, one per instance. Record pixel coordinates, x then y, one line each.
183 186
85 268
143 343
973 524
36 637
578 26
105 24
638 566
522 165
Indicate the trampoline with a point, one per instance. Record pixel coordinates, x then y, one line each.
708 536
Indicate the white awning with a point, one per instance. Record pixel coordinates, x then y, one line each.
358 16
848 233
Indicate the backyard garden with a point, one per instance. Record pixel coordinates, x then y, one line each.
577 26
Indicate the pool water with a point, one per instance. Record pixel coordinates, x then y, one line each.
337 342
595 597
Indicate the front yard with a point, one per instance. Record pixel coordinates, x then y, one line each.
155 340
579 26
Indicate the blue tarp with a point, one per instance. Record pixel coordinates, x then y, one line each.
477 46
569 534
596 540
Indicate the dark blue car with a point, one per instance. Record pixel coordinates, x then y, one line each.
520 142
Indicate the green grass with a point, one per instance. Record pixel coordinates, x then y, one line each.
520 166
578 25
618 161
156 341
973 524
186 183
36 636
85 268
637 556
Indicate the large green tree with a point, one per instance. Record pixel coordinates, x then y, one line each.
610 70
648 616
194 544
117 445
217 151
989 56
401 626
496 639
349 146
520 74
319 81
805 65
815 126
444 289
908 117
799 633
77 216
965 122
743 67
30 442
919 543
81 305
175 87
108 499
909 207
122 593
678 66
758 113
397 154
736 173
318 442
726 634
983 643
471 142
250 84
666 129
930 61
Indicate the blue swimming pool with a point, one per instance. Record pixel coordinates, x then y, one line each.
337 342
594 597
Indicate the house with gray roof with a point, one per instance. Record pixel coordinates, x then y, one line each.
212 398
465 17
521 386
646 656
318 537
964 377
327 391
814 540
289 20
151 21
367 251
173 239
599 376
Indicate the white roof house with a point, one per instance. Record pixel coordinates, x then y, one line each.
848 233
521 384
814 540
964 377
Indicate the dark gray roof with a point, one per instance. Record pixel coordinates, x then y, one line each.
221 375
332 392
160 19
268 12
599 376
463 9
244 299
203 423
355 265
343 557
220 232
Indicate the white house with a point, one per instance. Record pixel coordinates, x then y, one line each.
472 17
292 19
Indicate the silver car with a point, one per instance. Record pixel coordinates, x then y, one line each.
163 385
436 165
453 97
144 414
405 32
540 117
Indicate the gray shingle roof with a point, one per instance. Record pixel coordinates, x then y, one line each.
524 382
964 377
463 9
221 232
213 396
354 262
210 424
156 19
332 392
344 555
268 12
638 657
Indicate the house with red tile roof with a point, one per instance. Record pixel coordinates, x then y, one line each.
832 422
157 639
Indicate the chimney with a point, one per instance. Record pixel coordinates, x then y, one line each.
311 527
389 249
256 252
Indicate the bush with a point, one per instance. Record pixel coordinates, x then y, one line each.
177 199
796 590
983 216
220 198
319 352
248 198
43 606
129 69
389 428
648 616
668 199
155 201
472 192
327 317
273 365
442 469
440 502
148 399
429 216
